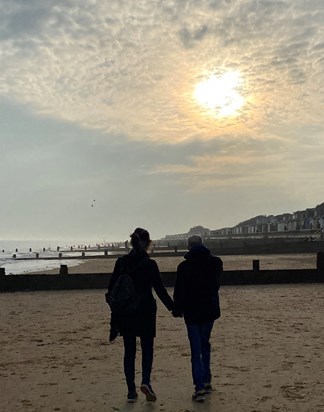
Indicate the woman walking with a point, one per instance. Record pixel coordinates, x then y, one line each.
141 323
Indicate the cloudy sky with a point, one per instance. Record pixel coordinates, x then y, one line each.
157 113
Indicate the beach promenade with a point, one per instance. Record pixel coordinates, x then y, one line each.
267 353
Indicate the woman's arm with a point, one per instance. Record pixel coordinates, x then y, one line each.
159 287
114 276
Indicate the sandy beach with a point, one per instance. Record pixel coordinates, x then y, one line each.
231 262
267 353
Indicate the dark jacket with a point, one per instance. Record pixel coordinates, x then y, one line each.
145 274
197 284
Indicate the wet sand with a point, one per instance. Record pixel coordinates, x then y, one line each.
267 353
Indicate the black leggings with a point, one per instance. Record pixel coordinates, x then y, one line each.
129 359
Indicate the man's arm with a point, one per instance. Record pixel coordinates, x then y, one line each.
178 294
219 271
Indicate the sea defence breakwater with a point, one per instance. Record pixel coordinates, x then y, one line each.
67 281
221 246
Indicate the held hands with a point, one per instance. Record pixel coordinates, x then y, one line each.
176 313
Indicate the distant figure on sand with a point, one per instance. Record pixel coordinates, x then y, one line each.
196 298
141 322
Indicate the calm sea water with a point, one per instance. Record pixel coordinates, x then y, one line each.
21 249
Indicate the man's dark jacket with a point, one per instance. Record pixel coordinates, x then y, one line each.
197 284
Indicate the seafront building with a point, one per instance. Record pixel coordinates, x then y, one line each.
306 221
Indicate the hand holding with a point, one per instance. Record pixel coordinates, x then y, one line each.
176 313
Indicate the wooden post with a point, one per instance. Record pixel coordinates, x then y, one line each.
320 261
256 264
64 270
106 252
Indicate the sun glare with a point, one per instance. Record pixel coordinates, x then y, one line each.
219 94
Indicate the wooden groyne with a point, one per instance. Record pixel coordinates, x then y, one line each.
15 283
64 280
77 255
230 246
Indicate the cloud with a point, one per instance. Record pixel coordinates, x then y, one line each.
131 68
227 169
190 36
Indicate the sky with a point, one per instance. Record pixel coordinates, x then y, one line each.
163 114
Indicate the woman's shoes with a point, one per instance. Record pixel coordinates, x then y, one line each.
148 392
132 396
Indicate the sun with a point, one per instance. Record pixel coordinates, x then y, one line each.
219 94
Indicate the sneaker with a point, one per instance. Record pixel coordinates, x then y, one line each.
208 388
199 396
148 392
132 396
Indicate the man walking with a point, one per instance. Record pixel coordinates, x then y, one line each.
196 298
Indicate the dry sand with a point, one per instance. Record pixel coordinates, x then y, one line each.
267 353
231 262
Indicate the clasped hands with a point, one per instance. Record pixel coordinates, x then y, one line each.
176 313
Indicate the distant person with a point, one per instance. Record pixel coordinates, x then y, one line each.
145 274
196 299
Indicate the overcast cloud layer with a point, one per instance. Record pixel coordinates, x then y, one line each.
97 103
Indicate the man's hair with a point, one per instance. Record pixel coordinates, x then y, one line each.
194 240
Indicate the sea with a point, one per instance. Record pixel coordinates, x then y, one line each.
11 251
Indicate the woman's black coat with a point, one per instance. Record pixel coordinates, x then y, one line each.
145 274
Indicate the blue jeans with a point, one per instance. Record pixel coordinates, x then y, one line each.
199 335
129 360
